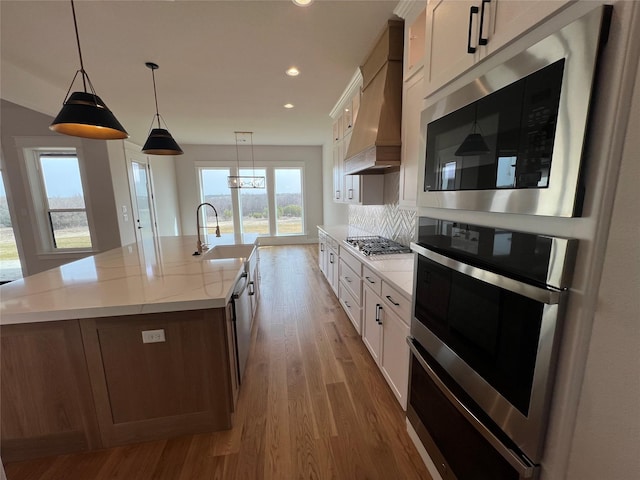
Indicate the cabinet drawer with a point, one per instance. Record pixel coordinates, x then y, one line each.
397 302
352 261
373 281
351 281
351 307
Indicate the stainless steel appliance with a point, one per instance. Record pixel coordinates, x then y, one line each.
513 139
376 245
487 316
242 317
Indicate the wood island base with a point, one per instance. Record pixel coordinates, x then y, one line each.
78 385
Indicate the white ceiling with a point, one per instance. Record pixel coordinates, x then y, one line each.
222 63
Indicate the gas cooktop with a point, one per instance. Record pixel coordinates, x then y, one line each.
376 245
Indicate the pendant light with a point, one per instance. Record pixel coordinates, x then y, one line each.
238 181
474 143
84 114
160 141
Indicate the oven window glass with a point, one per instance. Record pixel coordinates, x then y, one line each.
502 141
493 330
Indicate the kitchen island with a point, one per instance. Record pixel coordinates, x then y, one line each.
132 344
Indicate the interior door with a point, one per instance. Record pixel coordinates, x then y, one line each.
142 197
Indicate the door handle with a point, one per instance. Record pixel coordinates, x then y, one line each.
472 11
482 40
378 310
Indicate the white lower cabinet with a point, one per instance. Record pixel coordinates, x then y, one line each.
332 267
384 334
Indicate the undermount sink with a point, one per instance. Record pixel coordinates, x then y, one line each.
230 251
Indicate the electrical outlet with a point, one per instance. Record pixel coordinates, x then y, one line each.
153 336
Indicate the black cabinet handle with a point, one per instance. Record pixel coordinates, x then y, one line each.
482 40
369 280
252 288
378 309
472 11
392 301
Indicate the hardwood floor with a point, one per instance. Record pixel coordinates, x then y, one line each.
313 404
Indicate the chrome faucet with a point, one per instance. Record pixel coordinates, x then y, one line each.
201 245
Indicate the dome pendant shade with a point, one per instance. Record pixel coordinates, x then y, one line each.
86 115
474 144
160 142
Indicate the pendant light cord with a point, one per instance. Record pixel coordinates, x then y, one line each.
155 94
75 24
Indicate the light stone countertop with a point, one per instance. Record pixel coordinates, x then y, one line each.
397 269
150 277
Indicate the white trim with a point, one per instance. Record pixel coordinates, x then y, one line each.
352 87
409 9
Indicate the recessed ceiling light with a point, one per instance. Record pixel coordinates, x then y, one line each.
288 105
302 3
293 72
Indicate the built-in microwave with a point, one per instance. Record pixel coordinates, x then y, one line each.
512 140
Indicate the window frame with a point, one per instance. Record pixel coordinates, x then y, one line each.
45 238
270 168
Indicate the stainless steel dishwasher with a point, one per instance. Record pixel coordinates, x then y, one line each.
242 322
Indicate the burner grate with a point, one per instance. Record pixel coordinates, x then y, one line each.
376 245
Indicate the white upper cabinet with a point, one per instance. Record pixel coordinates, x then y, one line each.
411 152
459 33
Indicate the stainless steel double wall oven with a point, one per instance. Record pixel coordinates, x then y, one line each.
488 302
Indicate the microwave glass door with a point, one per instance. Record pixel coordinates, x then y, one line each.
502 141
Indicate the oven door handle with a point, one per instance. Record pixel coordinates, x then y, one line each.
525 468
545 295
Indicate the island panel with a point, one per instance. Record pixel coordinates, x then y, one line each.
47 405
147 391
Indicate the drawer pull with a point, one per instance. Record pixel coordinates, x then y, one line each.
347 279
392 301
369 280
347 304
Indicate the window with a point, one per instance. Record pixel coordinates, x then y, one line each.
59 199
213 185
10 266
254 205
288 192
274 210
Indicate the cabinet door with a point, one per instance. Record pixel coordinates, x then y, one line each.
322 253
332 270
338 173
411 151
448 36
394 359
254 285
506 20
371 329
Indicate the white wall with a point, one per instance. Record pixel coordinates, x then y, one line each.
165 191
19 122
607 434
264 155
121 192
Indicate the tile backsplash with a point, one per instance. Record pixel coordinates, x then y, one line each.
388 220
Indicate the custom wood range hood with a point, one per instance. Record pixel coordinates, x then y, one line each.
376 139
